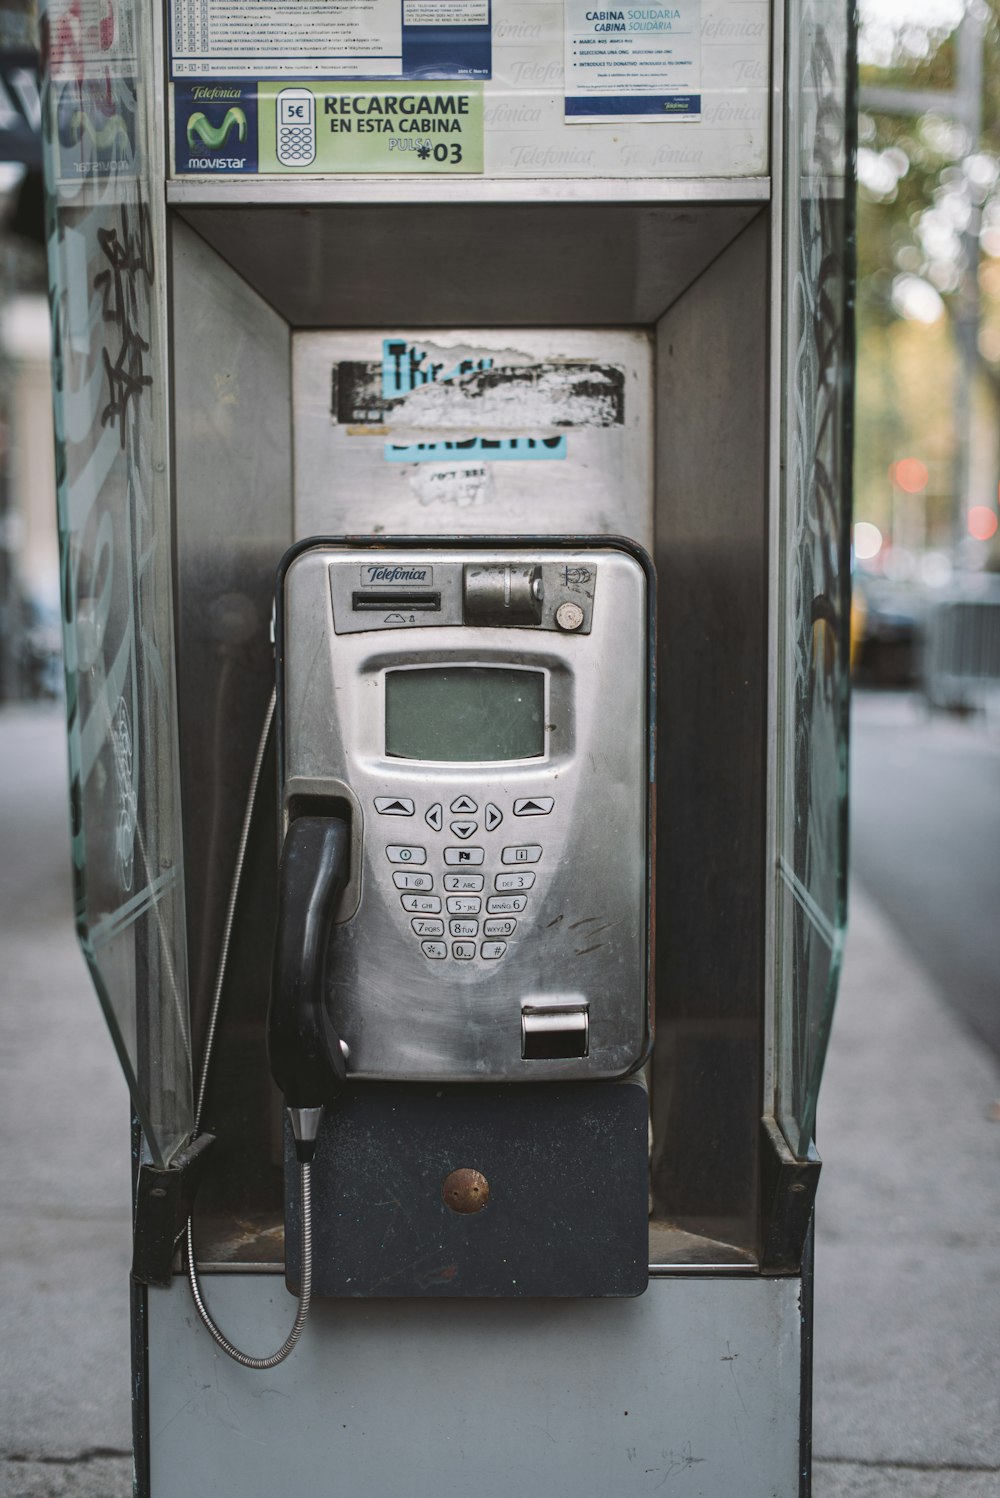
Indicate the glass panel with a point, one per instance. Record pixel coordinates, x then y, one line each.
465 713
813 645
115 543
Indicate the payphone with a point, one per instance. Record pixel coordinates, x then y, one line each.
464 757
603 291
482 714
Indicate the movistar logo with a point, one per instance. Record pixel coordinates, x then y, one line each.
201 131
391 573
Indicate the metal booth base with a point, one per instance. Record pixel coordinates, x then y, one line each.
690 1389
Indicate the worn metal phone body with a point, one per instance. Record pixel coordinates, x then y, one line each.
480 711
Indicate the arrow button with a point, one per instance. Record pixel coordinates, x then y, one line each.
492 816
434 816
464 829
394 806
464 806
533 806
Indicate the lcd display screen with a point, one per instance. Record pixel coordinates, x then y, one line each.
470 713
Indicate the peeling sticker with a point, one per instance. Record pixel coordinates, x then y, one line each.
459 487
423 388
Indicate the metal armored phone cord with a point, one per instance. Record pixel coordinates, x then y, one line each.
305 1167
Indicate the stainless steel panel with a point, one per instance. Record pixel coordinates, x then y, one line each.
433 264
248 189
345 485
693 1388
444 1008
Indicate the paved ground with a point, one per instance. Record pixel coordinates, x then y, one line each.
925 822
65 1426
907 1365
908 1267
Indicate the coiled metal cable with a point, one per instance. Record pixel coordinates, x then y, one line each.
305 1168
305 1287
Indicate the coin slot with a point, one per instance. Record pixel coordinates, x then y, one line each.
557 1034
368 602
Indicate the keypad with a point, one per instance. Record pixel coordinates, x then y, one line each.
504 904
424 926
464 855
405 853
422 904
524 853
460 864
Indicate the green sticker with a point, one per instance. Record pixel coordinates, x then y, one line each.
370 127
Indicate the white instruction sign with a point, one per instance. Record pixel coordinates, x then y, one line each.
637 62
446 12
304 38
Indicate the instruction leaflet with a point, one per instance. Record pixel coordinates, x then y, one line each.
640 62
319 39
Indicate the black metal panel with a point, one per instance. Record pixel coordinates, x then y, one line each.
711 562
566 1166
787 1192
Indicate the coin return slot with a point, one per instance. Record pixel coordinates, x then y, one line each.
367 602
557 1034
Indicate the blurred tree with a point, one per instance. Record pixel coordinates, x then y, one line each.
929 212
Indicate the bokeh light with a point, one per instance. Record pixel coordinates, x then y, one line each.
867 541
911 475
982 522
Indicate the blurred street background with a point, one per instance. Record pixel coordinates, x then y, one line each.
907 1351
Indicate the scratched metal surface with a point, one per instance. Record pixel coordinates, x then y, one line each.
352 476
692 1389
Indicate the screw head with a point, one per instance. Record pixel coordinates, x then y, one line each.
569 616
465 1190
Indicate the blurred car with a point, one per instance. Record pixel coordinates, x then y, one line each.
887 632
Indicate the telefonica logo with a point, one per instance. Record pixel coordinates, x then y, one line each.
498 115
390 573
750 70
516 31
541 158
727 112
534 74
723 29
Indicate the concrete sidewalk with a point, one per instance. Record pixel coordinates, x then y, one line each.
908 1269
907 1336
65 1420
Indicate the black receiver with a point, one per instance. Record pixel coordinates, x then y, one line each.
304 1049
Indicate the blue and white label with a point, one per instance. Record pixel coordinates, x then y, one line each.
639 62
347 39
496 449
380 574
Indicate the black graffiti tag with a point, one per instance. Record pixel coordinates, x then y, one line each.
124 297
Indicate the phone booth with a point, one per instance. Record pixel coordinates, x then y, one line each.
452 405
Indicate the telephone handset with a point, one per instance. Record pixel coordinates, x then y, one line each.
473 718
